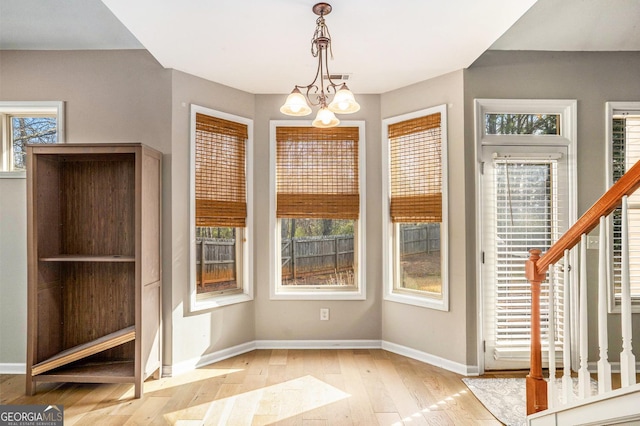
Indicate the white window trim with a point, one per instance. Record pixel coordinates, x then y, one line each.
566 109
276 290
611 108
30 107
424 300
218 300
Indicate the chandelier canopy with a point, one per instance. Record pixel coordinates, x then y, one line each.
317 93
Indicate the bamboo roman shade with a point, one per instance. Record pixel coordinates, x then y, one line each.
317 172
416 170
221 198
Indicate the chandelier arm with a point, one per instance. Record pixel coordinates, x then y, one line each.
310 95
322 98
308 88
331 83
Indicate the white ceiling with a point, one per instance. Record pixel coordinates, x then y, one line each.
264 47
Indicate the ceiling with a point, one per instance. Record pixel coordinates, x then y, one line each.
264 47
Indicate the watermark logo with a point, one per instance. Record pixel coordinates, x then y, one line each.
31 415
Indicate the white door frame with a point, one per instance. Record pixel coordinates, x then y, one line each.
568 128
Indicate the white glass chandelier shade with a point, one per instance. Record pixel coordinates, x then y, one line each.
344 102
296 104
325 118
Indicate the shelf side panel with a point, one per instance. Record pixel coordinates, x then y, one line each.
151 355
150 205
47 285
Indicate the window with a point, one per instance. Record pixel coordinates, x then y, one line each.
27 122
221 215
317 214
522 124
415 176
623 120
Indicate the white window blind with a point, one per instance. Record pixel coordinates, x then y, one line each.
526 213
625 153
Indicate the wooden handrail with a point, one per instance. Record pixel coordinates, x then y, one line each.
611 199
536 268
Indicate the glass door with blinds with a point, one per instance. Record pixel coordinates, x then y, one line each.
524 206
624 153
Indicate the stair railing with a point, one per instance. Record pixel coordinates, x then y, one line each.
541 394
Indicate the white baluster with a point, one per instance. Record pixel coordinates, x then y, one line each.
627 359
567 382
604 368
584 380
551 338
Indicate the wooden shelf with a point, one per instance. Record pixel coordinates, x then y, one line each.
93 230
87 258
82 351
93 372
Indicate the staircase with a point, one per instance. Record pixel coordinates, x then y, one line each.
568 256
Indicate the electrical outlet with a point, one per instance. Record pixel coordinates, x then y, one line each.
593 243
324 314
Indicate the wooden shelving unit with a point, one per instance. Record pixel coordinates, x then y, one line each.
94 276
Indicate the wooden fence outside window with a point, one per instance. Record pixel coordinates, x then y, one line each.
305 256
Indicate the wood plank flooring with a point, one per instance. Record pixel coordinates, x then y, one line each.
274 387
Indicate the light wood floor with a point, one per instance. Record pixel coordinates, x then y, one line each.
274 387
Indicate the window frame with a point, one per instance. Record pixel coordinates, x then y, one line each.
244 240
565 108
390 230
10 109
614 108
276 290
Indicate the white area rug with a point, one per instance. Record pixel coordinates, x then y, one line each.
506 398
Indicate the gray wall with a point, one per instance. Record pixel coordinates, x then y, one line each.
13 271
193 335
592 78
300 320
443 334
110 96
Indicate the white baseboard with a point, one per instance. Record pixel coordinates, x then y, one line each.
317 344
193 363
13 368
462 369
183 367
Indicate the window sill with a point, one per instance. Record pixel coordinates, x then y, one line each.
212 302
13 175
310 294
416 300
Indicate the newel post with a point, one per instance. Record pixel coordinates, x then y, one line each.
536 385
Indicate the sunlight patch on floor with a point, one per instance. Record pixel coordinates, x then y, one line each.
271 403
438 406
187 377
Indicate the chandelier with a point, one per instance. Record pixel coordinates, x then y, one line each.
317 93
